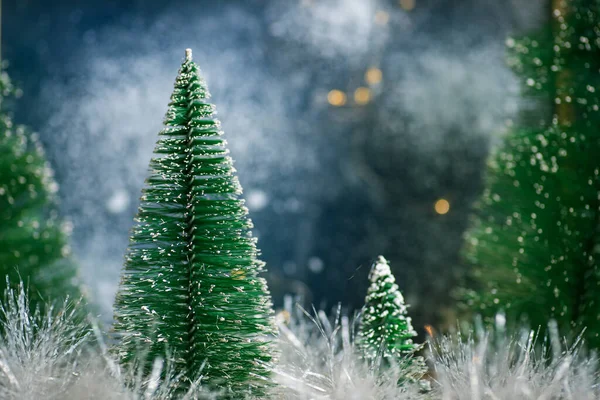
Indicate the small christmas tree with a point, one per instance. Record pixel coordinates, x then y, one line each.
535 239
191 277
386 331
33 240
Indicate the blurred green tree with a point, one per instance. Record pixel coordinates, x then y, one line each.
535 240
33 240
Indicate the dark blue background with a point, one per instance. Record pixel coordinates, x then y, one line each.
388 210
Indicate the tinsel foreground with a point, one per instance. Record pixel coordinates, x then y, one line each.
57 356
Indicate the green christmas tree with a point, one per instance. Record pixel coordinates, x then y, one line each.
535 240
33 241
386 331
191 284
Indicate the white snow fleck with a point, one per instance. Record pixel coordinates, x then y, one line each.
315 265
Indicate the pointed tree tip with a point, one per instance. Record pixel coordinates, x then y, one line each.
380 268
188 54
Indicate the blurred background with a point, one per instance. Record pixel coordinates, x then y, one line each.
358 127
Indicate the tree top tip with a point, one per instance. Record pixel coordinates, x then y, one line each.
379 269
188 54
381 260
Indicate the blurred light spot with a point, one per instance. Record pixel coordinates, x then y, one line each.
65 251
292 205
53 187
382 18
118 202
407 4
257 200
336 98
442 206
500 321
283 317
67 227
429 330
289 268
373 75
315 265
362 95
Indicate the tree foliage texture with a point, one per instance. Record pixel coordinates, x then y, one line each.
33 240
535 241
190 289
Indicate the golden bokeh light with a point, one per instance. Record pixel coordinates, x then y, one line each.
429 330
407 4
442 206
362 95
336 98
373 75
382 18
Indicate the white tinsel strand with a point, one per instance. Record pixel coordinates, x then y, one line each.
53 356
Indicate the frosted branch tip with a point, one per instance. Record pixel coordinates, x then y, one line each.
188 54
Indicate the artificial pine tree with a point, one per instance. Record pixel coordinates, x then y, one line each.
385 331
33 240
191 281
535 241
